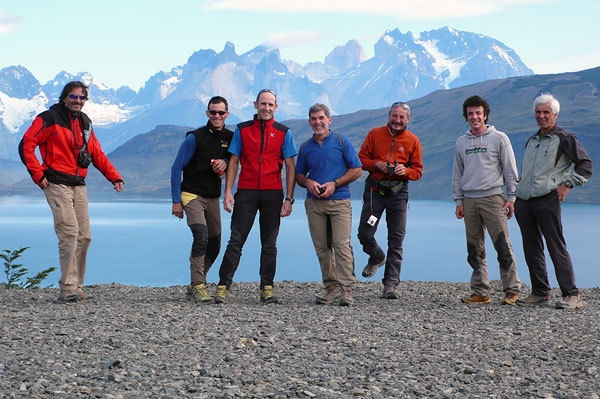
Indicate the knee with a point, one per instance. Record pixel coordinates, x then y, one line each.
200 234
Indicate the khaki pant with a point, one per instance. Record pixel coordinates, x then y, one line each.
481 214
330 225
69 207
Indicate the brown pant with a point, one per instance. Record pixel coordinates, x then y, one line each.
204 220
69 207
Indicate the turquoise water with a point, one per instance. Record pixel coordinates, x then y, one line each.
141 244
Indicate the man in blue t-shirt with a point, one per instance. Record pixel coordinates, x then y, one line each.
327 164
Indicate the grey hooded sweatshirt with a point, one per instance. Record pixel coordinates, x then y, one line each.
483 165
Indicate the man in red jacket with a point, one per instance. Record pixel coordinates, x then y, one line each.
392 155
68 145
262 147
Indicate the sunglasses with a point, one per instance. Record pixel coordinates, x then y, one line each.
75 97
213 112
401 105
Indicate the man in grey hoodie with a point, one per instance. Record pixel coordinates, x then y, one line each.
484 162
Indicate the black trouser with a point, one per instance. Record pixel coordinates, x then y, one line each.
247 203
537 217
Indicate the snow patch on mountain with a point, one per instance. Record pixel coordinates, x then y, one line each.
17 112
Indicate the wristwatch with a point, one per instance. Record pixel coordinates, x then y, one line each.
568 184
290 199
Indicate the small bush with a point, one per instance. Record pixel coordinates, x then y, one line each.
16 272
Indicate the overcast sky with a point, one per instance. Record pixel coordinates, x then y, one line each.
127 41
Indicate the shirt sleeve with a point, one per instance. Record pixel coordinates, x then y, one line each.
289 146
185 153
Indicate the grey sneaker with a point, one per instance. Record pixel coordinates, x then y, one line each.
346 299
221 294
570 302
332 296
533 300
371 268
68 296
389 292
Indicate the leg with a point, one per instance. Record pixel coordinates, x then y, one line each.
213 222
242 219
396 208
373 205
551 225
496 223
340 212
269 219
318 222
60 198
476 257
533 247
84 236
195 211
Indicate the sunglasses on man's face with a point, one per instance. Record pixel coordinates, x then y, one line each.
213 112
75 97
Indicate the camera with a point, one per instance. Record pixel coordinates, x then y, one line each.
372 220
322 190
85 159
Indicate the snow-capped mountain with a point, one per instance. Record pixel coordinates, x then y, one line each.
404 67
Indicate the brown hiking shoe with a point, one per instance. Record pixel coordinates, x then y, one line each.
371 268
346 299
389 292
510 299
533 300
570 302
332 296
475 299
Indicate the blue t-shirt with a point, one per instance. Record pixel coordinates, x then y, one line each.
327 162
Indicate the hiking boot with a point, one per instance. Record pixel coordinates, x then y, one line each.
68 296
221 294
371 268
346 298
200 294
533 300
510 299
475 299
389 292
267 295
570 302
332 295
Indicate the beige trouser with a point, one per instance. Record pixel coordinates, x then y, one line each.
483 214
330 225
69 207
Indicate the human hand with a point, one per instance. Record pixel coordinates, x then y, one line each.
177 210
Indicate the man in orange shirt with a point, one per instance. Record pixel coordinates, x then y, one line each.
392 155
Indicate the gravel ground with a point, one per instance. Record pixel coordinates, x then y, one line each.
148 342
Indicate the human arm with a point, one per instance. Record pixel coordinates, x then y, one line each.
230 176
290 183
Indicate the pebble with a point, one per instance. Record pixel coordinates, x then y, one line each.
144 342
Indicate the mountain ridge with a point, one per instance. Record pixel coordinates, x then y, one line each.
436 119
404 66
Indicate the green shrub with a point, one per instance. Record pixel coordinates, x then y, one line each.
16 272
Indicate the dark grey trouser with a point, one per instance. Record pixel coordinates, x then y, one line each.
537 217
395 208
